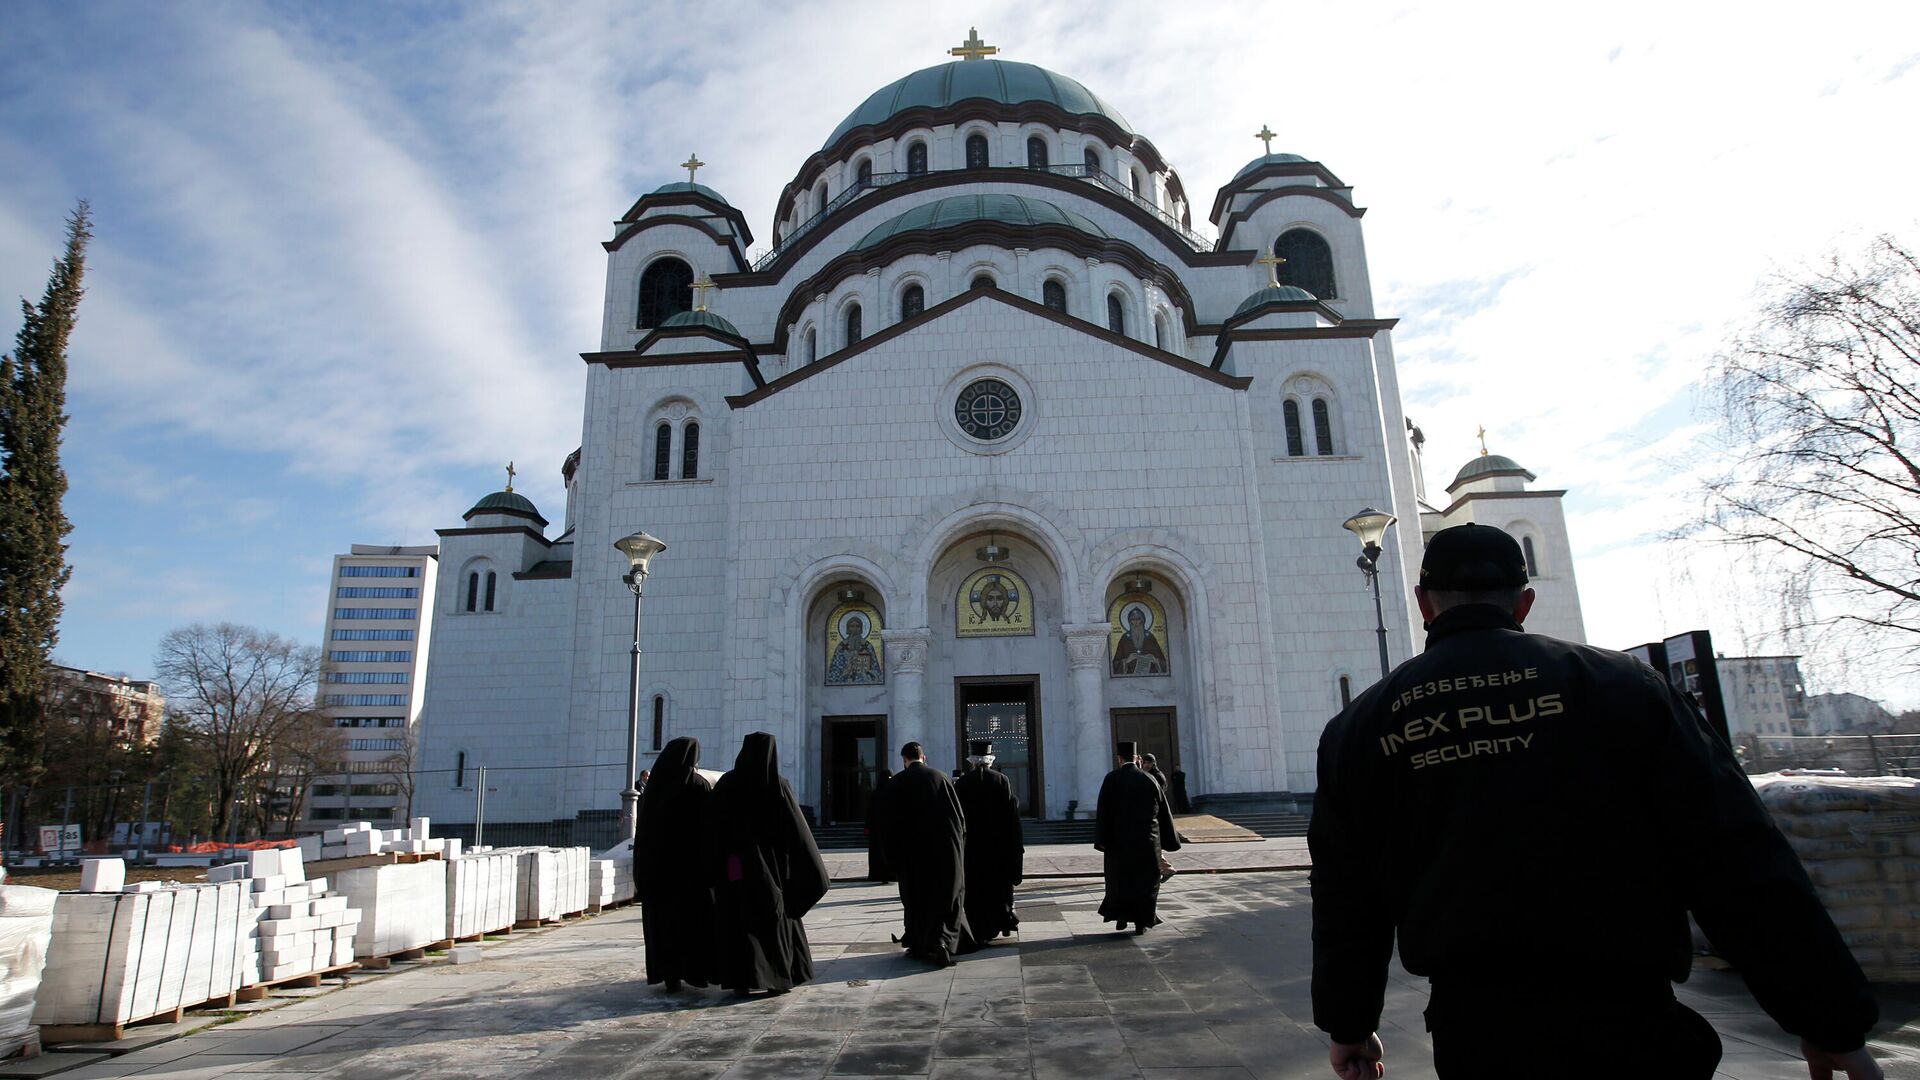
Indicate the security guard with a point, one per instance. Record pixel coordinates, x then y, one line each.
1535 819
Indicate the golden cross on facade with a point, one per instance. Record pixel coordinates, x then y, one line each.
1483 440
973 48
510 475
700 291
1272 263
1266 138
693 164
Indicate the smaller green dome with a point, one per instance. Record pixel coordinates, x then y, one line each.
963 209
506 502
1275 294
684 188
705 319
1270 159
1487 465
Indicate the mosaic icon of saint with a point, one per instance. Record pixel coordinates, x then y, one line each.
1138 652
855 661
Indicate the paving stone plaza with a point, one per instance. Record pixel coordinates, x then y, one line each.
1219 990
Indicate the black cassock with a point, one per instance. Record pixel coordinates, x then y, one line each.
676 900
1132 825
922 840
876 862
766 874
995 851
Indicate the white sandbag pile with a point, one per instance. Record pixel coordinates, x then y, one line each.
1859 838
26 926
481 890
551 882
610 881
115 958
402 906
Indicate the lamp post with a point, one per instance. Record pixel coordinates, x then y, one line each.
639 550
1370 526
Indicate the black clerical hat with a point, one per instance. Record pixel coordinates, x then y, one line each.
979 748
1470 558
1126 750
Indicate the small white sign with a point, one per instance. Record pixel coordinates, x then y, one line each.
60 839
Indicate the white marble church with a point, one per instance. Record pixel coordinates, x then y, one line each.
990 443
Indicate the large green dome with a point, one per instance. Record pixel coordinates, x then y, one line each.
962 209
1005 81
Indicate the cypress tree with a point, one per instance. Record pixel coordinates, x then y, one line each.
33 527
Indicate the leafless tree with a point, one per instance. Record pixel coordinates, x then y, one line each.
311 748
401 767
236 691
1819 428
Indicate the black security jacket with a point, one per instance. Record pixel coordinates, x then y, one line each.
1535 819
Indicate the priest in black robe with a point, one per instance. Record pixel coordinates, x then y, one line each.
1132 826
923 839
995 849
766 874
676 900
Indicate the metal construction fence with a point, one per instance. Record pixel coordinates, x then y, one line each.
1855 755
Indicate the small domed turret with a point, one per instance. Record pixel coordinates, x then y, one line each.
1275 294
508 503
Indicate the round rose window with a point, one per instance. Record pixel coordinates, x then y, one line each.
987 409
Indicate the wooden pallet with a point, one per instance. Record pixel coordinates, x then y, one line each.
534 924
293 982
27 1044
381 963
58 1033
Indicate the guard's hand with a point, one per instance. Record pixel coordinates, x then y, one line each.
1854 1064
1361 1060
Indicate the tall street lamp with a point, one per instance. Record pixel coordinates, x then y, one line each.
639 550
1370 526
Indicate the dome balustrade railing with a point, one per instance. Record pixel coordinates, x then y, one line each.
876 181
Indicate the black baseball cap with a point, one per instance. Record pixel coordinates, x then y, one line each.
1472 558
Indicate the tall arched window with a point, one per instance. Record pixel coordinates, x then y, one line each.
1159 331
1054 295
665 289
460 769
1526 548
473 591
863 176
493 580
853 325
813 344
976 151
1322 428
981 281
820 199
662 449
1092 159
659 719
690 452
1290 411
1133 180
912 302
1116 314
917 159
1346 691
1309 262
1036 152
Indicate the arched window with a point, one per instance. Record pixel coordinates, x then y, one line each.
912 302
917 159
460 769
473 591
981 281
1526 548
976 151
1054 295
665 289
1290 411
820 199
1346 692
690 452
1309 262
1036 152
659 719
1159 331
662 449
813 344
493 580
853 324
1322 428
863 176
1116 314
1133 180
1092 159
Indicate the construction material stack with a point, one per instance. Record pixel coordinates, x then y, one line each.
300 927
481 889
26 926
609 882
552 882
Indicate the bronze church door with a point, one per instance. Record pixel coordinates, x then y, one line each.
1155 730
1006 712
853 752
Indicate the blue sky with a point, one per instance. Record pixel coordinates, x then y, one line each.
346 254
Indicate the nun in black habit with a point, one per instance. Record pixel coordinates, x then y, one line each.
1132 826
766 873
923 840
676 901
995 851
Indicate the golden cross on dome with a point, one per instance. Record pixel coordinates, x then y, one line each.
973 48
510 475
1266 138
693 164
700 291
1483 440
1272 263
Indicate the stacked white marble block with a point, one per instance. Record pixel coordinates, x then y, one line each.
300 926
403 906
357 838
551 882
26 926
481 891
610 881
115 958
